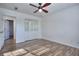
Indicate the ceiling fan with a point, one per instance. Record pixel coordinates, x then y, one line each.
40 8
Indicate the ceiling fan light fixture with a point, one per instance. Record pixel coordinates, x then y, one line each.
40 10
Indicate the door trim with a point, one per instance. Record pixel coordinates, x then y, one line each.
14 25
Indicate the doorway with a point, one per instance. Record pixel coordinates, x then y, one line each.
11 35
9 42
9 29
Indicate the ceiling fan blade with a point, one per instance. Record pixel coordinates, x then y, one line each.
33 5
36 11
46 4
45 10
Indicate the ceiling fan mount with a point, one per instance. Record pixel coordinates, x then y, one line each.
40 7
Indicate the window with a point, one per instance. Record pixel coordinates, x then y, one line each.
31 25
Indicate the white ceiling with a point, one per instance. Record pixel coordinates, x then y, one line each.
25 8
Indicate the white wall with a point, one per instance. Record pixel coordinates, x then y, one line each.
62 27
20 17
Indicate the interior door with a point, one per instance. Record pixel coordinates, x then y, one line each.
6 29
1 32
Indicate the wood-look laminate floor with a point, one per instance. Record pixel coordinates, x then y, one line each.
39 47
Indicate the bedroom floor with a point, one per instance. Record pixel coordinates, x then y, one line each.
38 47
